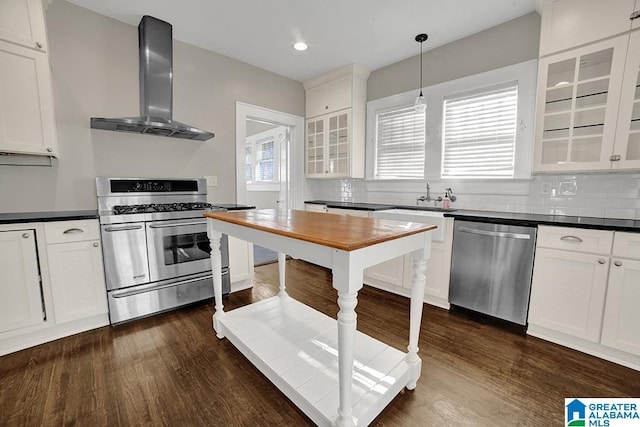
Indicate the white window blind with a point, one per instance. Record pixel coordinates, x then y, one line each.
400 144
479 134
265 160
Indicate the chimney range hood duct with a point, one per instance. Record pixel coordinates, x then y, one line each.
156 88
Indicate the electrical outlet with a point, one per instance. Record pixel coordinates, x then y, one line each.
212 181
569 188
546 189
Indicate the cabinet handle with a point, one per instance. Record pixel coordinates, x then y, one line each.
617 263
25 235
96 244
574 239
49 149
635 15
73 231
601 261
38 44
326 107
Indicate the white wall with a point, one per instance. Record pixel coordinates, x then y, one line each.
94 62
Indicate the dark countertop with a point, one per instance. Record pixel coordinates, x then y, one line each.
352 205
509 218
232 206
23 217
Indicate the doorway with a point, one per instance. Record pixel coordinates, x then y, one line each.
269 163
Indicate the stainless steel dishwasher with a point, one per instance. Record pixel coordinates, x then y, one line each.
491 268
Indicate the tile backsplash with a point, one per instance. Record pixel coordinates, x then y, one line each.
608 195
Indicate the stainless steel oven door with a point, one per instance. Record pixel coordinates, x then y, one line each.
179 248
124 248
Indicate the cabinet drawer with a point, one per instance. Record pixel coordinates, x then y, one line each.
626 245
575 239
71 231
350 212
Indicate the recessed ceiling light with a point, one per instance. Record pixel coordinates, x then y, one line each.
300 46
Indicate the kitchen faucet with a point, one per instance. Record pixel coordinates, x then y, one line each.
427 198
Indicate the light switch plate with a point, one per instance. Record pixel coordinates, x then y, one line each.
212 181
546 189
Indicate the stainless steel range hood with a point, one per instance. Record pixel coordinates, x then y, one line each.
156 88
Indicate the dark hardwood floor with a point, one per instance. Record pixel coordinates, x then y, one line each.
170 369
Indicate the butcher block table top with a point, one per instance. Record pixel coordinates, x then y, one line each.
342 232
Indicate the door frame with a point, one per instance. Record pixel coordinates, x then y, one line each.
296 182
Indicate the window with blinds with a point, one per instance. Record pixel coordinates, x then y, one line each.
400 144
479 133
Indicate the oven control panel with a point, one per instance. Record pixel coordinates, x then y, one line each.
153 186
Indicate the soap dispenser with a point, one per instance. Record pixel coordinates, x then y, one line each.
446 202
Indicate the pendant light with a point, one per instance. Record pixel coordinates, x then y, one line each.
421 104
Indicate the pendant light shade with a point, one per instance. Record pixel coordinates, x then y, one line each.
421 104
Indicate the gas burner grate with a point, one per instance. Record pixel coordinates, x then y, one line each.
161 207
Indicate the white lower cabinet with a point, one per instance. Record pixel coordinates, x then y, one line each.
77 280
52 282
21 304
240 264
587 298
568 291
395 275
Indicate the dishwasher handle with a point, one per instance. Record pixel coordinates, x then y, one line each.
519 236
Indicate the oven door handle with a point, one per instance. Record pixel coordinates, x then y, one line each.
125 228
127 293
176 224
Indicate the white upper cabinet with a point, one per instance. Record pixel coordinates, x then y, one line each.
578 97
567 24
27 119
627 142
335 111
22 22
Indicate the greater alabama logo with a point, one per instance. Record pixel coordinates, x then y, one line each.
589 412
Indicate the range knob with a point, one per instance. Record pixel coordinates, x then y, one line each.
137 186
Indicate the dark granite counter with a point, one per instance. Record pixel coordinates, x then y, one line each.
509 218
22 217
232 206
351 205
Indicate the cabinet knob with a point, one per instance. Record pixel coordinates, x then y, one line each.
601 261
49 149
96 244
25 235
326 107
38 44
617 263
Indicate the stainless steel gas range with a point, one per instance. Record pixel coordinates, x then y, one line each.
155 245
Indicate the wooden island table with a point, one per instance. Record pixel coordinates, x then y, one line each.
335 374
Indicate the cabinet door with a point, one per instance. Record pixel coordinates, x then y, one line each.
27 123
22 22
567 24
438 272
620 328
329 97
627 143
578 96
568 291
390 272
315 147
240 259
21 302
77 280
338 144
312 207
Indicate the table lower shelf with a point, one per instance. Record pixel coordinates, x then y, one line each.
296 347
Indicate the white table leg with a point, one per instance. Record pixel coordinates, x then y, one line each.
281 270
216 267
415 318
347 302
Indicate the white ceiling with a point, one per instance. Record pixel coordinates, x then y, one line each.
372 33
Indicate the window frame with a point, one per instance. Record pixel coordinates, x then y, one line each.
525 73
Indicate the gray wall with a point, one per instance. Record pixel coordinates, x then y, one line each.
94 64
506 44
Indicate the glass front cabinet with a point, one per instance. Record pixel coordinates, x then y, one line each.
588 108
328 145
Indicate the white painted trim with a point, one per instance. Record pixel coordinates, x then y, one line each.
296 155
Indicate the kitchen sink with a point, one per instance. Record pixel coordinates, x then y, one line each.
423 216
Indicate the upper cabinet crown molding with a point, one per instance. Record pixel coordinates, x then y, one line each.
351 69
